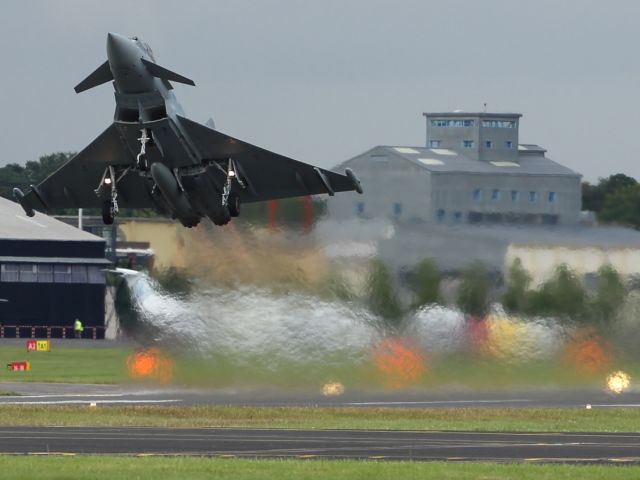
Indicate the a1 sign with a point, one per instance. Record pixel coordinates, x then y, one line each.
38 346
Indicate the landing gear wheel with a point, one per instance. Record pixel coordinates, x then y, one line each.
108 214
233 204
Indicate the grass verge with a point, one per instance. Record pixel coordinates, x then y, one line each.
109 467
67 365
485 419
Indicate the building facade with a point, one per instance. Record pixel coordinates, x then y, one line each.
471 170
50 273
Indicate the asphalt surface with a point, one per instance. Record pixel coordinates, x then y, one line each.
334 444
70 394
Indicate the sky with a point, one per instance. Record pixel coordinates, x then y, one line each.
324 81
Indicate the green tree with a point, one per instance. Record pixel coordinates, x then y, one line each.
426 284
622 207
561 295
594 196
474 289
609 296
381 294
517 288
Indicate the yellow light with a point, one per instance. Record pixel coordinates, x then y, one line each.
232 173
618 382
332 389
107 181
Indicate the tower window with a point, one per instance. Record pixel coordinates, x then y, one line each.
533 197
397 209
434 143
467 144
440 215
509 144
477 194
515 196
457 217
495 195
552 197
488 144
360 209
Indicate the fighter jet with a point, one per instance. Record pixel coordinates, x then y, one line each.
153 156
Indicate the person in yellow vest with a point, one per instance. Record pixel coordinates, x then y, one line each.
78 328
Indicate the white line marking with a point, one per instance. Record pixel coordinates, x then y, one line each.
100 402
442 402
63 395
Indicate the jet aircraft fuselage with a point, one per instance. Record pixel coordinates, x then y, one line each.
152 156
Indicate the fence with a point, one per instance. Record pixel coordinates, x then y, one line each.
31 331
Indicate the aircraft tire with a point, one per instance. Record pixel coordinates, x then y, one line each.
107 213
233 204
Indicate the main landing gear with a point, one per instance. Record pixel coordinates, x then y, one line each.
109 206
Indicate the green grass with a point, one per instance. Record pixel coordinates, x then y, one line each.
72 365
489 419
179 468
108 365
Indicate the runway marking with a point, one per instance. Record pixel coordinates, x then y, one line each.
307 456
376 457
439 402
618 405
64 395
100 402
226 455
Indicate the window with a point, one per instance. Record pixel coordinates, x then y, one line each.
457 217
397 209
62 274
477 194
452 123
360 209
45 273
96 275
552 197
488 144
434 143
441 215
28 272
467 144
495 195
499 124
9 272
533 197
79 273
515 196
508 144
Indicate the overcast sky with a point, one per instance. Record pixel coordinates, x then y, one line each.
322 81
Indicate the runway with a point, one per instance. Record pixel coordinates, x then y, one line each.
330 444
71 394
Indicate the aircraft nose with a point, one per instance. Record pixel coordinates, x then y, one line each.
120 49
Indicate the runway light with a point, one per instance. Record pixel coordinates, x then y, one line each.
588 406
332 389
618 382
151 363
107 181
93 405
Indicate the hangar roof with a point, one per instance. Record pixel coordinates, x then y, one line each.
531 161
15 225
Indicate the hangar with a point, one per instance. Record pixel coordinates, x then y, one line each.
50 274
471 170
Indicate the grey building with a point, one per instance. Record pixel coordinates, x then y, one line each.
472 169
50 274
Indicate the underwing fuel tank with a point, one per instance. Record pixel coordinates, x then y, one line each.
172 193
